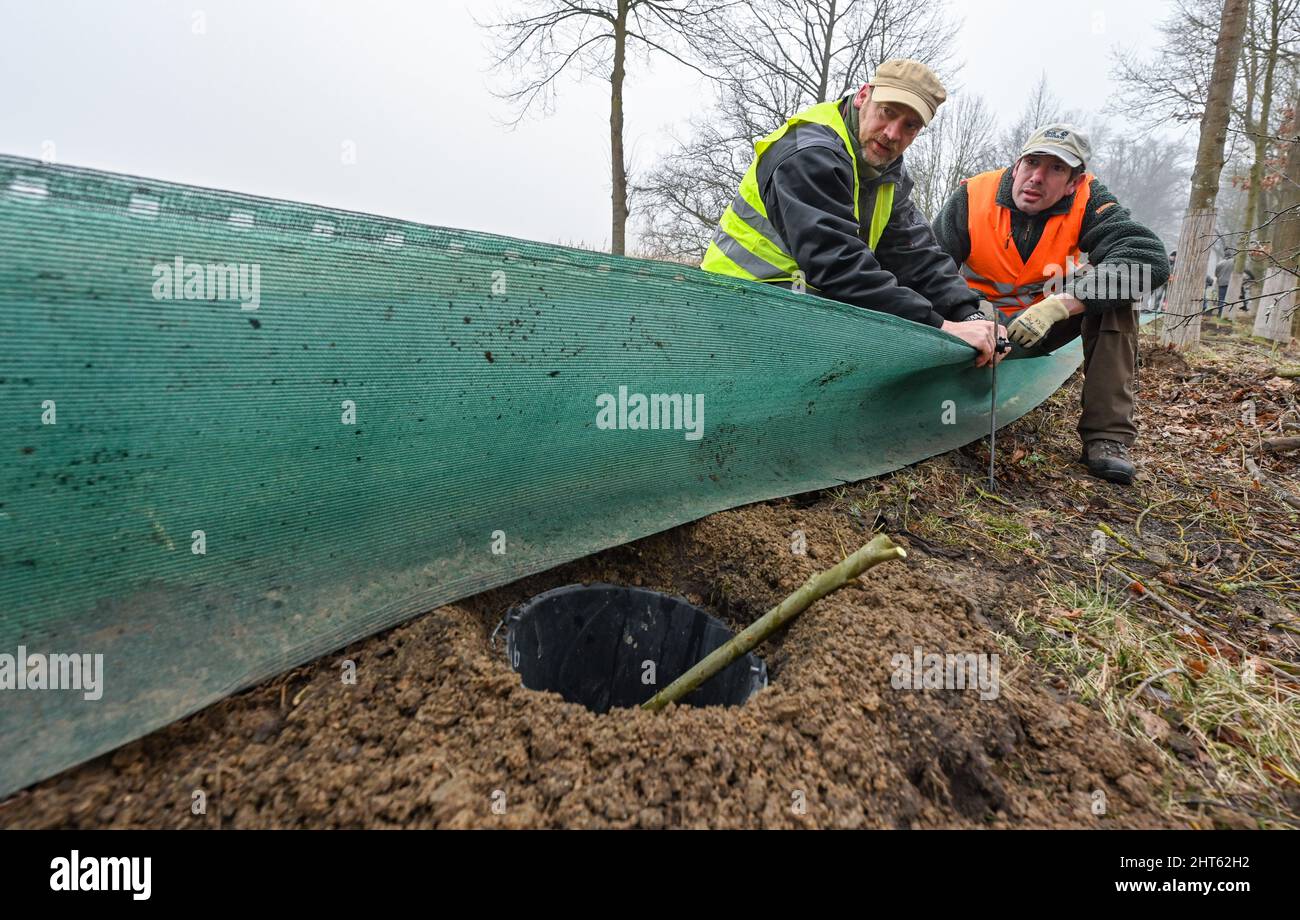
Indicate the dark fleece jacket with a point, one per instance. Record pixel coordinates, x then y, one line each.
1113 241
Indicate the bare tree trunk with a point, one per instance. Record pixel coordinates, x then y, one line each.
1278 303
1254 200
1236 283
1250 62
1181 325
827 57
618 167
1181 320
538 40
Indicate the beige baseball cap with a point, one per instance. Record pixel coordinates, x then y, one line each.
1068 142
909 83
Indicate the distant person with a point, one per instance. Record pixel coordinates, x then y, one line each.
1223 280
1015 231
1164 288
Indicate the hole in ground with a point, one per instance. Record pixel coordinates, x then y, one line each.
607 647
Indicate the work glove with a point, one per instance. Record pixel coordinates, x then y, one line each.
1028 328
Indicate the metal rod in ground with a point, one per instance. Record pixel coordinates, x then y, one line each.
993 430
879 550
1002 345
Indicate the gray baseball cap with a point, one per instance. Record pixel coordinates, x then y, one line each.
1069 142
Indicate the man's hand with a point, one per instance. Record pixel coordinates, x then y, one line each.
994 315
1028 329
980 334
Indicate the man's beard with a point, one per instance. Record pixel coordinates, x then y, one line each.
873 153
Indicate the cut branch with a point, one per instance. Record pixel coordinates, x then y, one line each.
879 550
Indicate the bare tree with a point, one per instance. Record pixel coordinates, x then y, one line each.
539 40
1278 301
776 57
781 56
1182 324
959 143
1271 23
1148 175
1041 107
682 199
1232 200
1175 86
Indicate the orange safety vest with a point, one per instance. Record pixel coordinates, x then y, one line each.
994 267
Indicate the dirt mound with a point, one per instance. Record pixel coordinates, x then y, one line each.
437 730
1163 358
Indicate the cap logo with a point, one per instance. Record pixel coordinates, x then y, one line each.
1057 135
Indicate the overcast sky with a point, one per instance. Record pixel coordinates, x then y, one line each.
265 97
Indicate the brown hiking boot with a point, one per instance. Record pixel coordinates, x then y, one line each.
1109 460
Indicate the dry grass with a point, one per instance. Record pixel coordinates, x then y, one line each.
1157 682
1173 606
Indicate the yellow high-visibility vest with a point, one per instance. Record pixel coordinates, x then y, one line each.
747 245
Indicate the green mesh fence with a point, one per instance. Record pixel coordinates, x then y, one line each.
240 433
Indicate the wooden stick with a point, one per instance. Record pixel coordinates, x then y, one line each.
1151 594
1282 372
1277 445
1278 492
879 550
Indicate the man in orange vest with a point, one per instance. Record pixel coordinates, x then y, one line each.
1020 236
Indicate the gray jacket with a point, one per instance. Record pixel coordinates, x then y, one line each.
806 181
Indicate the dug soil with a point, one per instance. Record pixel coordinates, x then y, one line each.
438 732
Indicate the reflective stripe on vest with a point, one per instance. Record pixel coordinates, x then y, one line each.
747 245
994 267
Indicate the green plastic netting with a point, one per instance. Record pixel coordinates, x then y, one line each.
137 414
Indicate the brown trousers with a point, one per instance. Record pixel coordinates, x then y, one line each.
1110 346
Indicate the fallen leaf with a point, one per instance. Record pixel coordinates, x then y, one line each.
1154 727
1229 735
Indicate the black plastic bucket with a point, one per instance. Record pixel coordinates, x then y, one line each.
599 645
